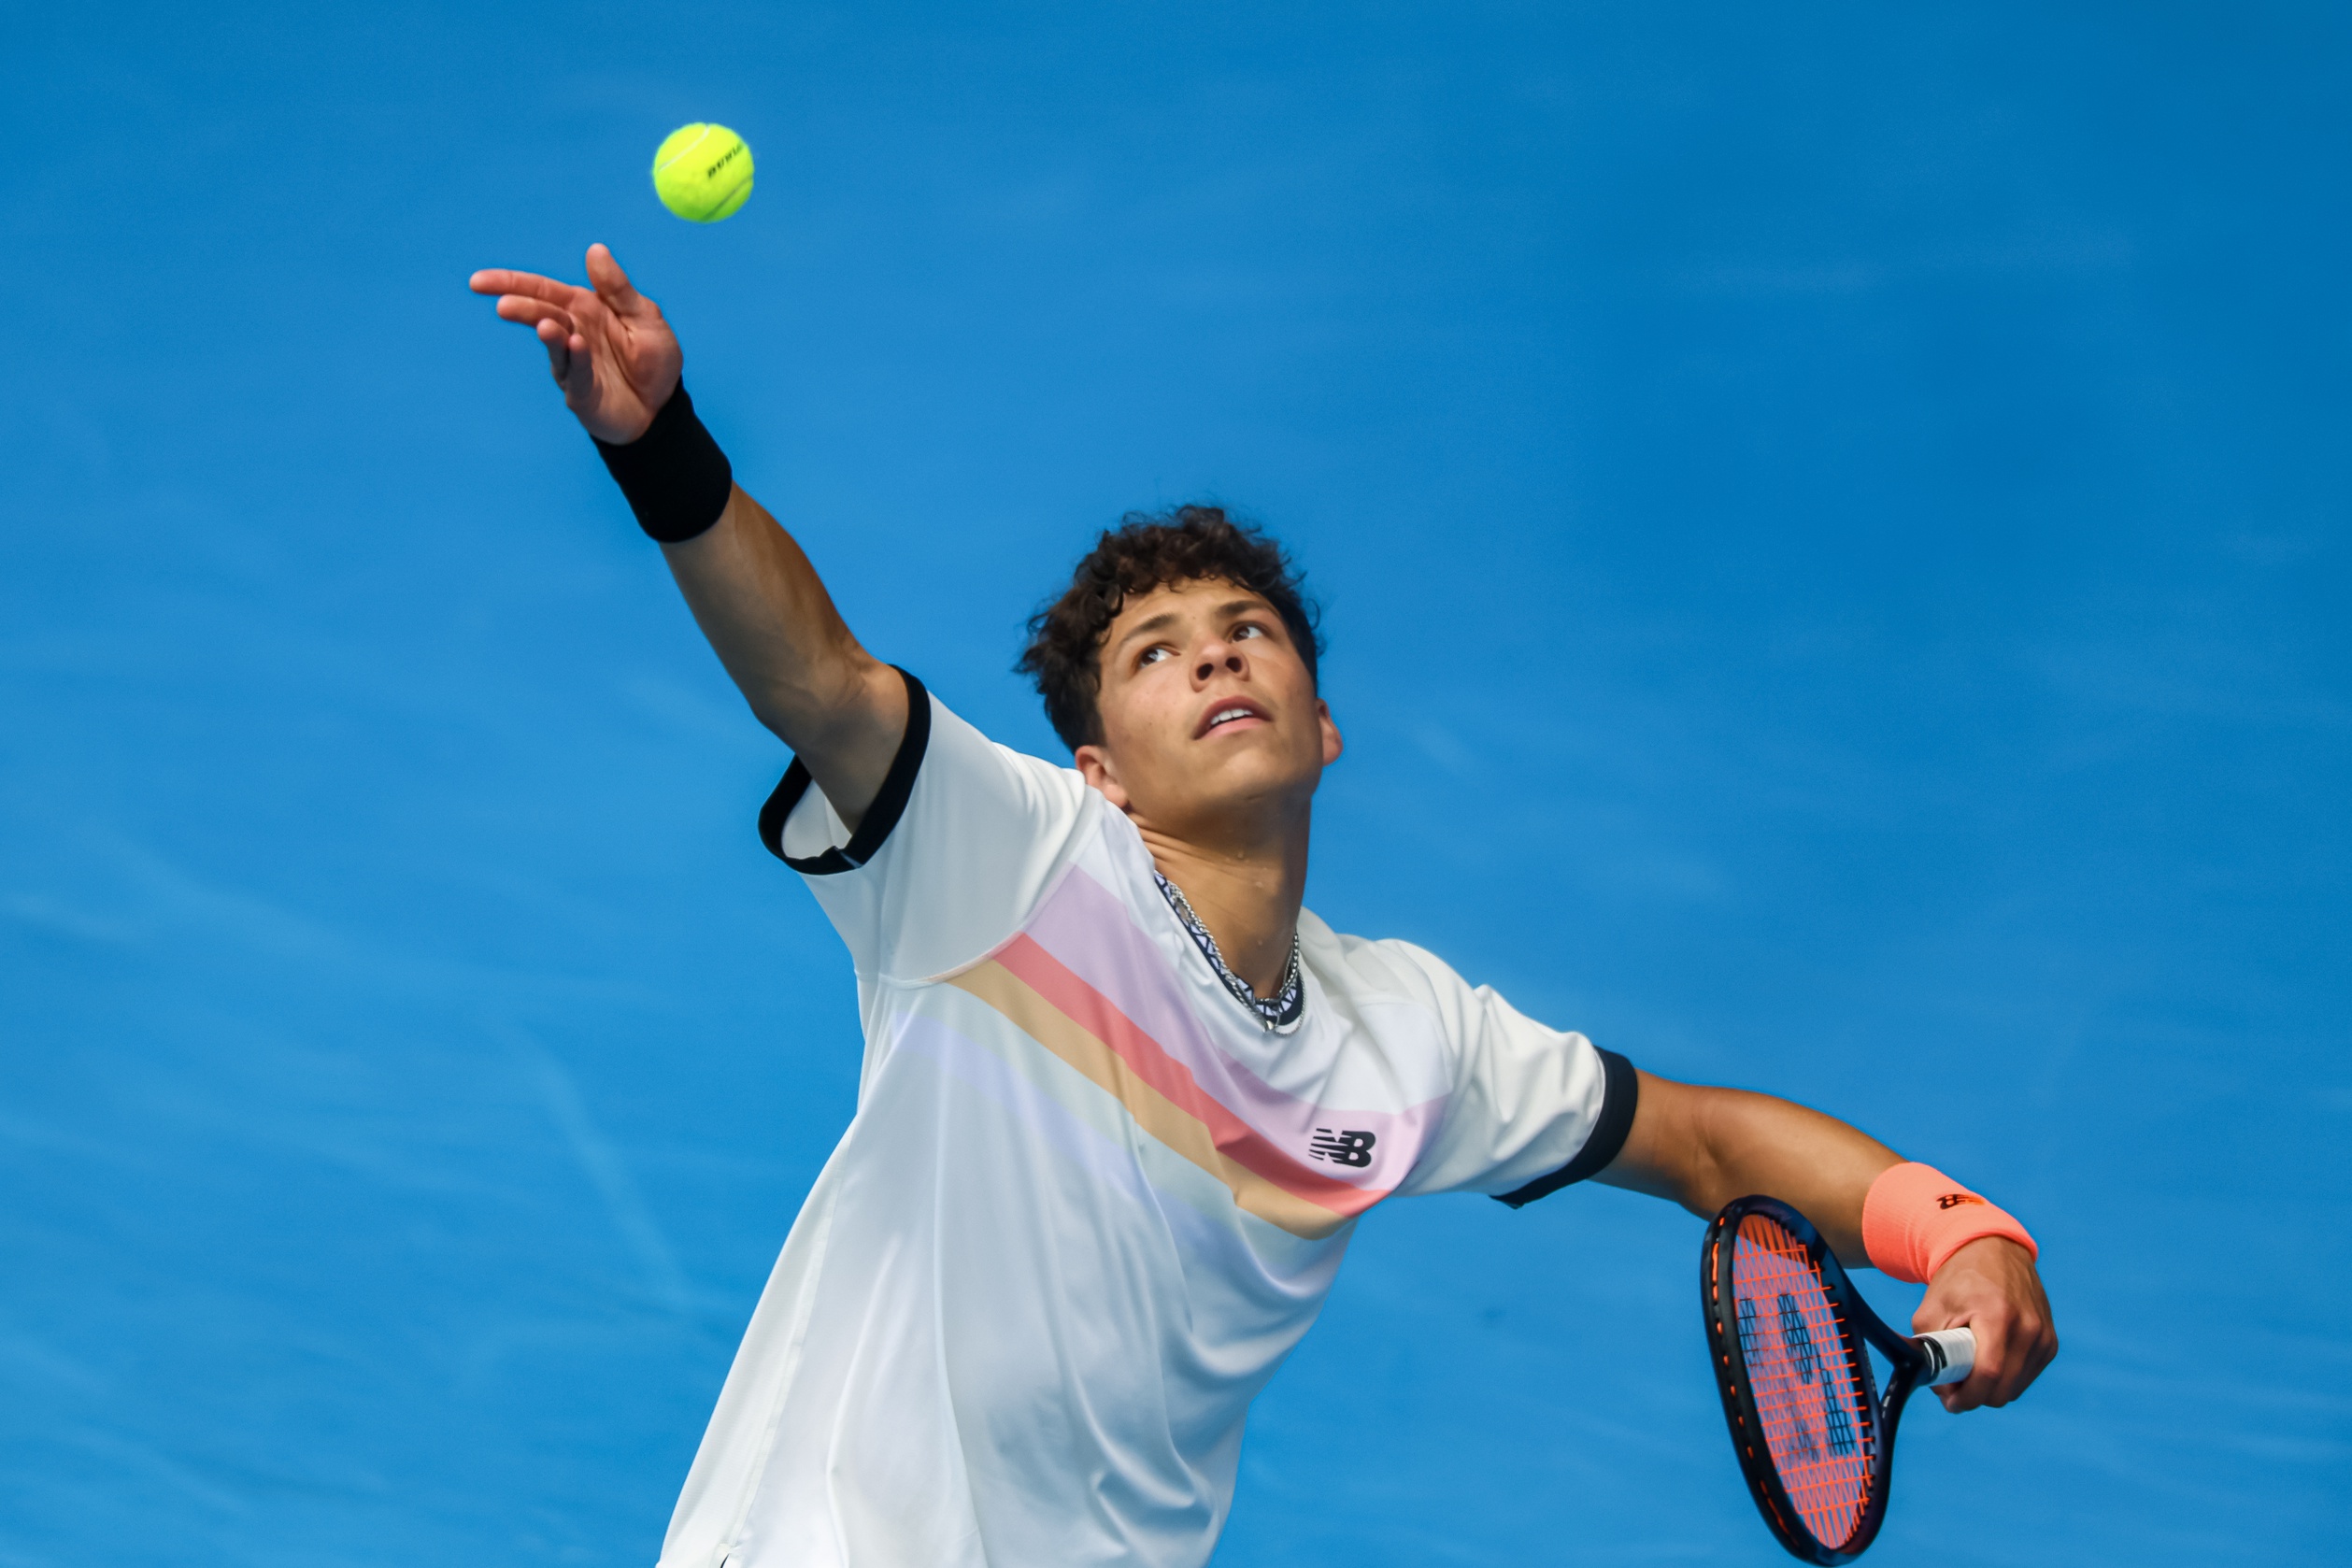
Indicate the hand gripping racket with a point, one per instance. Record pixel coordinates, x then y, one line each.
1814 1439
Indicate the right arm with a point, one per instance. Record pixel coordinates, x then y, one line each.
1702 1147
751 590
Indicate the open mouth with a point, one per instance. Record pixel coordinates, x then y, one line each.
1229 713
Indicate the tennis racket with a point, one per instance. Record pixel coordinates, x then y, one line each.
1787 1329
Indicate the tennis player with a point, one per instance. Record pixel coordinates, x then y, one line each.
1123 1099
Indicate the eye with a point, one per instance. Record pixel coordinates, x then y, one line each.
1153 654
1248 628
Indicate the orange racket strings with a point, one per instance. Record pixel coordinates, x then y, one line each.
1809 1396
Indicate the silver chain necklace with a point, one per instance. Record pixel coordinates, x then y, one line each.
1272 1012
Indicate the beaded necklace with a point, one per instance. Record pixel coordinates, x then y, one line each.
1272 1012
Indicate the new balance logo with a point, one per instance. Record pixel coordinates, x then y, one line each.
1342 1148
1954 1200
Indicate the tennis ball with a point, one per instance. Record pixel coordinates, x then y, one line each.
702 173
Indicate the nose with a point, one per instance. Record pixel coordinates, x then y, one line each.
1219 655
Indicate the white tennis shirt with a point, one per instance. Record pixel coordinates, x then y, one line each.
1088 1201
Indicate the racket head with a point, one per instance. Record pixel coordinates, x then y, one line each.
1788 1332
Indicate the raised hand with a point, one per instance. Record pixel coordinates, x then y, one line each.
608 347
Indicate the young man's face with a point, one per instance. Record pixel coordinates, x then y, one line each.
1209 715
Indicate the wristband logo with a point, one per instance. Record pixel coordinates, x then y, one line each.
1954 1200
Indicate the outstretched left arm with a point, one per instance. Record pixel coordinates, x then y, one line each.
1702 1147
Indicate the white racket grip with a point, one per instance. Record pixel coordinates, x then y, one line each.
1952 1355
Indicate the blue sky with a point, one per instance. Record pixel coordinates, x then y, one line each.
1834 530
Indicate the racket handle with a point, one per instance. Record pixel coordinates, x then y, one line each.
1952 1355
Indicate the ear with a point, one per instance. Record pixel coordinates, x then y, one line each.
1094 767
1332 744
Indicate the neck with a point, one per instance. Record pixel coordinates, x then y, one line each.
1248 892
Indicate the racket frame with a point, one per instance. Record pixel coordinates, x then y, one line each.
1857 1324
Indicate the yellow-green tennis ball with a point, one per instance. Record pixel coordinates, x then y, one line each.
702 173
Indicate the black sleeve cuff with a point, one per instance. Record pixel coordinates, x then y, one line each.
674 476
1620 1090
890 802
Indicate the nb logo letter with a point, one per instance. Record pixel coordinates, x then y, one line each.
1341 1147
1954 1200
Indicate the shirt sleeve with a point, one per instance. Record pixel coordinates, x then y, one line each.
1530 1108
962 840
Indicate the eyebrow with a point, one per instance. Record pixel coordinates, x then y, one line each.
1166 619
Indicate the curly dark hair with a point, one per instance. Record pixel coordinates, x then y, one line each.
1147 551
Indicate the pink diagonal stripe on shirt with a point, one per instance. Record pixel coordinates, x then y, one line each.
1088 928
1234 1138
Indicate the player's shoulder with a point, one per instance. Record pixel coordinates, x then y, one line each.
958 746
1375 969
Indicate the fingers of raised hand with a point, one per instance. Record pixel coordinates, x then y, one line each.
612 284
559 329
533 312
565 348
500 281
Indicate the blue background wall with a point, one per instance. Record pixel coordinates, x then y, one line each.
1834 527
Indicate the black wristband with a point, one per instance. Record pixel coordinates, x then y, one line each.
674 476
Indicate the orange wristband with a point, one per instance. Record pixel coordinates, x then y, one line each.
1916 1217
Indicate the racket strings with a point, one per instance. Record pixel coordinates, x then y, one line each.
1809 1396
